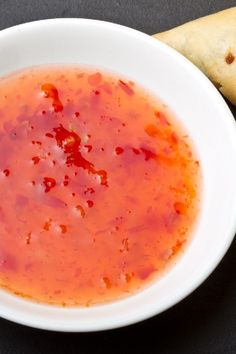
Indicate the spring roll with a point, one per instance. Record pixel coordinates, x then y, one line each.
210 43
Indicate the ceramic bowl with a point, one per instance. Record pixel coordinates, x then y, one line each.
200 109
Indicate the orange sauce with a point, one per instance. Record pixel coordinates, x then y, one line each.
99 186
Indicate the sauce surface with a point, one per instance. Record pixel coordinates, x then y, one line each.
99 186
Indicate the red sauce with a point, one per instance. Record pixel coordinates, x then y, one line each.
99 186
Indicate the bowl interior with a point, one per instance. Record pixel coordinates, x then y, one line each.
202 112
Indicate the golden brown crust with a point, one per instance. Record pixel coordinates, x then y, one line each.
210 43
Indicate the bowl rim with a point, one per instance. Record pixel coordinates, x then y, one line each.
229 119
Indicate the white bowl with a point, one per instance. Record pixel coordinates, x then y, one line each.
205 116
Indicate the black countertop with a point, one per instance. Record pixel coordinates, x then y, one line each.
203 323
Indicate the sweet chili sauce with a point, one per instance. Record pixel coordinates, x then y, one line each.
99 186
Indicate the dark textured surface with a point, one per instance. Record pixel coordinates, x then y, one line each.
205 322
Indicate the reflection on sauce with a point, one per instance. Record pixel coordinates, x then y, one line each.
99 186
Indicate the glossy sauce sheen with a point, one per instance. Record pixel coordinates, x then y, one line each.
99 186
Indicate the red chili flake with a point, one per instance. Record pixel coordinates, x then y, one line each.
38 142
6 172
50 91
96 92
81 210
107 282
126 88
77 114
103 176
125 245
49 183
175 249
119 150
35 160
63 228
148 154
89 190
90 203
43 112
229 58
136 151
162 118
70 142
128 278
47 225
66 182
49 135
180 208
28 238
89 147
